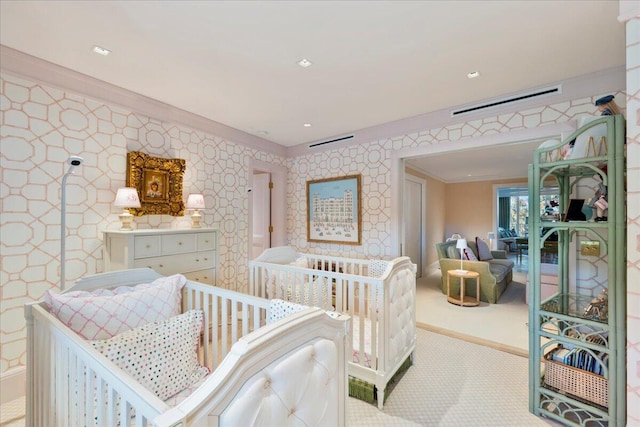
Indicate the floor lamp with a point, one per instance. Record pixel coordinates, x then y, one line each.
73 162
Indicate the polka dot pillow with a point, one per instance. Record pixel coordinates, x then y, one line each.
162 356
279 309
104 313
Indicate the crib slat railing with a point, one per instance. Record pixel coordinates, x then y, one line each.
62 385
358 296
228 317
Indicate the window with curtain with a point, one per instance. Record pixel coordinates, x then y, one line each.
514 209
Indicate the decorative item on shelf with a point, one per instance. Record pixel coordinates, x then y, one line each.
598 309
462 245
127 197
195 202
491 236
607 106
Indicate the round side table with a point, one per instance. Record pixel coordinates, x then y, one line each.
463 300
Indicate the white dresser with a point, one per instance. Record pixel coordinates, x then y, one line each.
192 252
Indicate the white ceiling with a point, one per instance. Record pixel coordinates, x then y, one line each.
374 62
479 164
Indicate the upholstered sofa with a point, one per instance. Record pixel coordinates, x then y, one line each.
507 239
495 274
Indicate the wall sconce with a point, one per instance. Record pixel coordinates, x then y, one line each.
127 197
462 245
195 202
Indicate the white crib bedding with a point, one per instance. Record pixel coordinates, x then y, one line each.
179 397
279 309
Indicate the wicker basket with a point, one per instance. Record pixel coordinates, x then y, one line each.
576 382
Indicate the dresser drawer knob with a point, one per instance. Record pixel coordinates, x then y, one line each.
161 265
148 246
197 260
179 243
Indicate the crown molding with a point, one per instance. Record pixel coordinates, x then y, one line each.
26 66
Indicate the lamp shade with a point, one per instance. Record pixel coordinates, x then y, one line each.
195 201
461 244
127 197
491 235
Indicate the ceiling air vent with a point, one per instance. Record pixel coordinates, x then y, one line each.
518 98
331 141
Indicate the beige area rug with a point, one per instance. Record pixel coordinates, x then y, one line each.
454 383
504 325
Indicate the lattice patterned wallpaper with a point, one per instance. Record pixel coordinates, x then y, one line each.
633 222
42 126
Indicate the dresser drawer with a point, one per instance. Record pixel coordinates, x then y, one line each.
179 263
167 251
146 246
206 241
206 276
178 243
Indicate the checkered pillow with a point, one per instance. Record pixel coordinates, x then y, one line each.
105 313
161 356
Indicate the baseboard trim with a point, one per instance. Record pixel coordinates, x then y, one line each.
475 340
13 384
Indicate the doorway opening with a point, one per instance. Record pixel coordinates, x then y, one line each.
267 206
415 219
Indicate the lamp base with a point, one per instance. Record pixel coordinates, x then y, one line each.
195 219
125 219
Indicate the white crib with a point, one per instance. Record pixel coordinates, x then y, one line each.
378 295
289 372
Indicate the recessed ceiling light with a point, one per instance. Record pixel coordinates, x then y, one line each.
101 50
307 125
262 132
304 63
473 74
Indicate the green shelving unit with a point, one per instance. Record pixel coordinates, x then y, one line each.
577 337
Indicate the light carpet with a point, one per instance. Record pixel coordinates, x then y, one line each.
503 325
454 383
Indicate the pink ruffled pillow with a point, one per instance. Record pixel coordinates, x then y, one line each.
105 313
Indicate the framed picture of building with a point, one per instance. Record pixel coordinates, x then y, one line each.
334 210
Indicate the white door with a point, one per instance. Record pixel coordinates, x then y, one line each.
261 213
414 215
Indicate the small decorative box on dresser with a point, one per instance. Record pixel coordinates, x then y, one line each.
192 252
